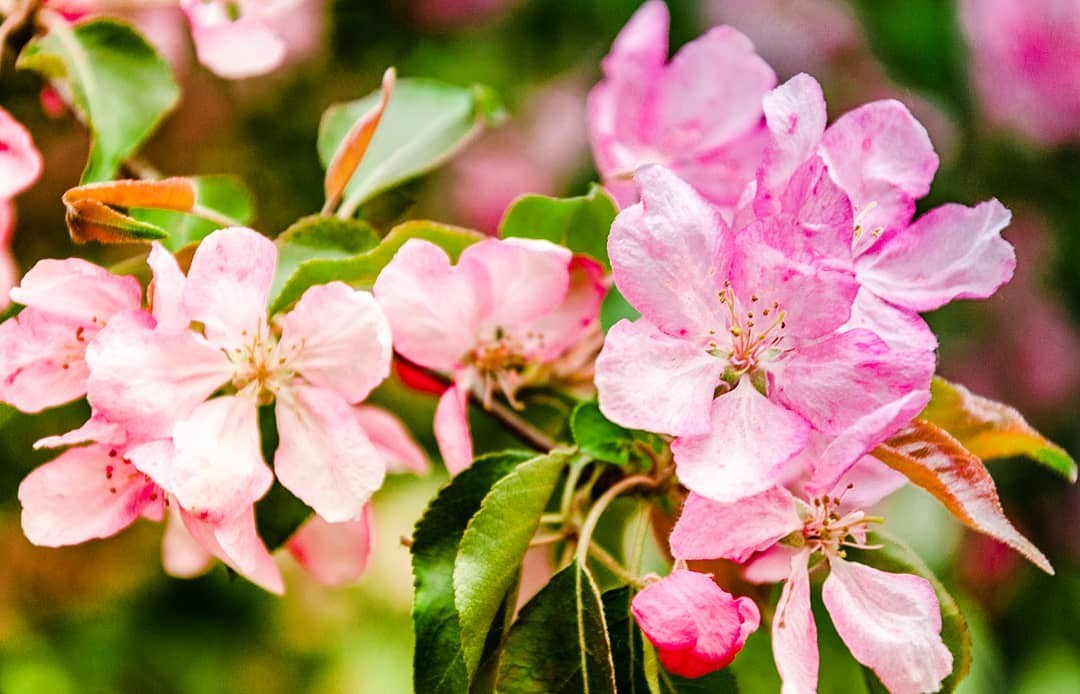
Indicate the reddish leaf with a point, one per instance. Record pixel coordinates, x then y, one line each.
92 213
351 152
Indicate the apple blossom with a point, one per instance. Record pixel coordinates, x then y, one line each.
238 39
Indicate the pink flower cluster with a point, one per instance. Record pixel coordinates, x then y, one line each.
779 271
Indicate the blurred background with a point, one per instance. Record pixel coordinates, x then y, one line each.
997 84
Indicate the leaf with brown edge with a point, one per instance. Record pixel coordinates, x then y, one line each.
940 464
991 429
98 211
351 152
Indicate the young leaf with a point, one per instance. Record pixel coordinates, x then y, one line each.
935 461
559 642
354 145
225 197
439 664
361 269
91 213
580 224
991 429
319 238
424 124
494 545
598 437
118 82
897 557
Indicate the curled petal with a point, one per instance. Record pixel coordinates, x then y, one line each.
579 312
794 633
167 290
709 529
452 428
336 554
181 554
393 441
795 115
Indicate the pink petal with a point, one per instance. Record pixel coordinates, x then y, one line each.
708 529
901 329
648 380
819 205
77 291
232 48
891 623
167 289
579 312
338 338
795 115
96 429
771 566
20 161
324 456
528 278
751 440
866 483
83 494
670 255
642 43
237 543
336 554
794 634
393 441
878 153
217 469
951 252
181 554
723 175
9 273
228 285
696 626
452 428
434 308
42 361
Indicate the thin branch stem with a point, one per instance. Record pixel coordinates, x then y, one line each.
549 539
212 216
601 505
506 416
612 564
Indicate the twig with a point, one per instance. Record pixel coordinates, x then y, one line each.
611 564
14 21
601 505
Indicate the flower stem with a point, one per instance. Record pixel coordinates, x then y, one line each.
611 564
601 505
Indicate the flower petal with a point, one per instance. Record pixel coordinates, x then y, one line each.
771 566
709 529
579 312
236 542
901 329
232 48
891 623
528 277
794 634
42 361
77 291
167 290
452 428
336 554
795 115
393 441
20 161
181 554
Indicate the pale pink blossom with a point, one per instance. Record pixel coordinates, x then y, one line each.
696 626
20 161
699 114
753 314
507 308
238 39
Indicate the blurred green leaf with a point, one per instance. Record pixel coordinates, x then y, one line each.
360 270
559 642
580 224
599 437
225 195
494 545
439 664
425 123
317 238
119 83
615 308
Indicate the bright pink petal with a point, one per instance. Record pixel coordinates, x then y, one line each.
882 157
452 428
794 634
324 456
181 554
951 252
166 291
20 161
393 441
670 255
771 566
217 469
901 329
579 312
434 308
708 529
866 483
696 626
228 285
338 338
751 440
232 48
795 115
821 206
648 380
84 494
42 361
336 554
78 291
237 543
528 278
891 623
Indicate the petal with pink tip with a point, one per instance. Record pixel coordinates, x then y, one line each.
167 290
709 529
338 338
181 554
891 623
324 456
393 441
579 312
528 277
42 361
794 634
77 291
648 380
83 494
434 308
696 626
951 252
751 440
795 116
20 161
452 428
335 554
236 542
228 285
670 255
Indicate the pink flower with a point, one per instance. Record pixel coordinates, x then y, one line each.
20 161
507 308
703 124
313 363
1023 60
754 315
238 39
696 626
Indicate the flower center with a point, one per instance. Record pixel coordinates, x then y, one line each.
754 334
262 363
828 531
501 362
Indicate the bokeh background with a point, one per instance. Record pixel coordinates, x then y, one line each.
997 84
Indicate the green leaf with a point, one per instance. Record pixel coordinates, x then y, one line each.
425 123
559 642
991 429
225 195
897 557
626 642
361 270
599 437
494 545
439 664
580 224
279 513
615 308
317 238
119 83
